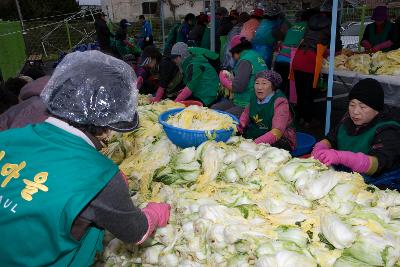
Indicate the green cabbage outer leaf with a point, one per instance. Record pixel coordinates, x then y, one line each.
374 250
293 234
348 261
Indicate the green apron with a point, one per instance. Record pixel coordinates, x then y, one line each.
172 90
179 35
186 61
204 82
362 142
205 41
376 39
135 49
261 116
121 47
242 99
171 38
59 174
224 43
293 37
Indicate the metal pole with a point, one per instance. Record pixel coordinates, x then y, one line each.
68 34
44 50
162 22
362 26
212 32
331 67
21 19
204 7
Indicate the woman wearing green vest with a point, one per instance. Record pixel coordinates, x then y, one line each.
288 48
200 77
367 139
272 29
248 64
122 43
380 35
171 76
267 119
59 192
148 72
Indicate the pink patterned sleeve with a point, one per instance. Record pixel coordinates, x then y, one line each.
282 114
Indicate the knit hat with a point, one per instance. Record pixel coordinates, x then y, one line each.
380 13
272 76
370 92
180 49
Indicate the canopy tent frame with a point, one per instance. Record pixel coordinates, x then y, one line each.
332 50
329 97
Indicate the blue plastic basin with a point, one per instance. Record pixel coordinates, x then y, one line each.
188 138
305 143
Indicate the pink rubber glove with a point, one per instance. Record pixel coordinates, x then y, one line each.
225 81
268 138
244 120
239 129
184 94
373 49
159 95
358 162
367 45
382 46
320 146
139 82
157 215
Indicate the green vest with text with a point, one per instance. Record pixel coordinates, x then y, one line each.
378 38
362 142
204 82
242 99
48 176
261 116
293 37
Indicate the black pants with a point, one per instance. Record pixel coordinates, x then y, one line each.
283 69
305 95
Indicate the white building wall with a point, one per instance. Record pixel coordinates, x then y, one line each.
89 2
131 9
195 9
